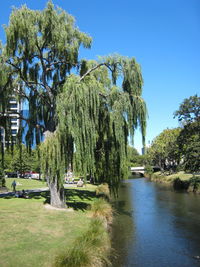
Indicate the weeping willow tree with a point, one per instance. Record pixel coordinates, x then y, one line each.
41 50
96 117
88 115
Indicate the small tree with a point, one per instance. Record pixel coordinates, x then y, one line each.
22 160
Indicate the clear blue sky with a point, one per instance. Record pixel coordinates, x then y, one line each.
163 36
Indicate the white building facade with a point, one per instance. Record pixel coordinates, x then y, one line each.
14 111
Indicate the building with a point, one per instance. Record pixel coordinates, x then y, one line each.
14 111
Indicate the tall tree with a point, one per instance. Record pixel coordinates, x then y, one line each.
164 150
41 49
189 110
86 113
95 119
189 138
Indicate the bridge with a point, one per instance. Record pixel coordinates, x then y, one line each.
141 169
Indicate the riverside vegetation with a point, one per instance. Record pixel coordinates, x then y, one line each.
179 180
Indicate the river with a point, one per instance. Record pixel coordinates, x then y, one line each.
155 226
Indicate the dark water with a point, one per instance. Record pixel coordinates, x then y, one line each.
155 226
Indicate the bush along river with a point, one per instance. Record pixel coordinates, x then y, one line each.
155 226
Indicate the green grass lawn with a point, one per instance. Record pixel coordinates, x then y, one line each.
32 235
25 183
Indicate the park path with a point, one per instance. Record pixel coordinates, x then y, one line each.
36 190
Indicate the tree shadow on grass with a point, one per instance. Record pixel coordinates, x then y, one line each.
78 199
78 205
75 198
81 194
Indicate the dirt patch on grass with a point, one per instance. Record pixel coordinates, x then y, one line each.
49 207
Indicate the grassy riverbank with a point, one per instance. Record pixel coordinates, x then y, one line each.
179 180
32 235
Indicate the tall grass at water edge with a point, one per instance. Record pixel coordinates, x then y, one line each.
91 249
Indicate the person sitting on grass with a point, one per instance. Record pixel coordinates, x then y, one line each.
21 194
80 183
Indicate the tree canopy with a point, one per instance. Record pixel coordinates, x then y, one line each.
41 49
95 119
189 110
189 139
164 150
180 147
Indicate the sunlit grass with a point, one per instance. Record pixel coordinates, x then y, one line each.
32 235
159 176
102 209
25 183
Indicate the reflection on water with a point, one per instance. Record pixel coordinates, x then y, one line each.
155 226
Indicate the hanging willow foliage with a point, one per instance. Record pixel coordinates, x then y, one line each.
42 47
95 120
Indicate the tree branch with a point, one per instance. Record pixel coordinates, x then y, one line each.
91 70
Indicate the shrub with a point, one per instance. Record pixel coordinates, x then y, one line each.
149 170
195 184
102 209
179 184
103 190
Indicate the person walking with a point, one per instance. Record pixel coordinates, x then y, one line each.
14 186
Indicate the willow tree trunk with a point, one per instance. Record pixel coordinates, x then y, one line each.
57 194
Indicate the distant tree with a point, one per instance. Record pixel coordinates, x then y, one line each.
22 160
189 145
35 160
8 157
189 110
164 150
189 138
132 155
135 159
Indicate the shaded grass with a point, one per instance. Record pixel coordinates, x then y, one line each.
32 235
